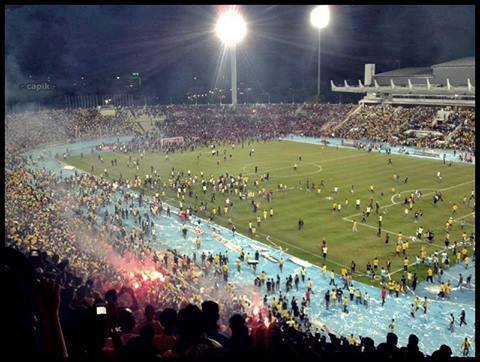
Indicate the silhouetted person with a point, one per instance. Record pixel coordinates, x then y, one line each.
240 341
411 352
165 341
442 354
211 316
192 341
141 348
368 345
389 348
149 314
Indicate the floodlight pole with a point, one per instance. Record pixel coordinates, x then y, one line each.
318 71
233 58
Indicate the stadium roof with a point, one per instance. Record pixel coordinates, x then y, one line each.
407 72
461 62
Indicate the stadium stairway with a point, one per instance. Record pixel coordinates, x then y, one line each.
454 132
404 125
299 110
138 127
332 125
144 123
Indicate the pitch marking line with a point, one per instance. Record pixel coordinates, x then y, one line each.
244 168
394 233
320 169
371 227
268 237
346 218
305 250
424 195
442 301
402 192
464 216
253 164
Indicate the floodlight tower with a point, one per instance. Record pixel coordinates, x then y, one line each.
319 18
231 29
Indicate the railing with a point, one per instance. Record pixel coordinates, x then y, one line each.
418 89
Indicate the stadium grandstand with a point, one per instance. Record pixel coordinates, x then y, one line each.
450 83
270 231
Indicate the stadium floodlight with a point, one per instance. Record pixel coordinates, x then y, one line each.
232 29
319 18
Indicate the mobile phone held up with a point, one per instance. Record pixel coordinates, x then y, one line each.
101 310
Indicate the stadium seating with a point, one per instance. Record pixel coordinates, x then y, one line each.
73 302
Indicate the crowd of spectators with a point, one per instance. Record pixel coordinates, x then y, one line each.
313 118
70 266
55 314
83 286
79 286
411 126
27 130
215 123
463 138
201 124
91 123
55 222
206 124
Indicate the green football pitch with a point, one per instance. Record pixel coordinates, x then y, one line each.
340 168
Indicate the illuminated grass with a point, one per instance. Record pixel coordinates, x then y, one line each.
336 167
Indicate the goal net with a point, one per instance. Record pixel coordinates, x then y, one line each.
108 111
171 141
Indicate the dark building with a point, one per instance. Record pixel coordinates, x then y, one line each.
417 75
456 71
446 84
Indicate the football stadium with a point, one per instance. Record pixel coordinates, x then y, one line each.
224 220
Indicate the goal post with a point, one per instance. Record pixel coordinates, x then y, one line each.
170 141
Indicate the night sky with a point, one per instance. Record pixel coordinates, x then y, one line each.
171 45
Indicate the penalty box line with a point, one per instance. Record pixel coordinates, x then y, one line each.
427 194
465 216
394 233
370 226
269 237
302 249
349 218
